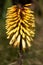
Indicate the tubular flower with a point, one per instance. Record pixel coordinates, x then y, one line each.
20 25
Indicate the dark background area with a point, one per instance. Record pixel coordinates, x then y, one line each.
22 1
8 54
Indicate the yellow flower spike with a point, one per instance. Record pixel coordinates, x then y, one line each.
20 21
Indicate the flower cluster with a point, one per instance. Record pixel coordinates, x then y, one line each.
20 25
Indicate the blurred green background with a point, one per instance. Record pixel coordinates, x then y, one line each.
8 54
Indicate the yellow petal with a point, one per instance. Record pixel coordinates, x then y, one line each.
23 44
28 43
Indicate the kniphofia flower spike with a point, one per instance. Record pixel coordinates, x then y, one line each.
20 25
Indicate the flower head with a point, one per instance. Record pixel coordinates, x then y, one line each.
20 25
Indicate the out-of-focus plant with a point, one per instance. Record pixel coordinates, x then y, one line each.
2 3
